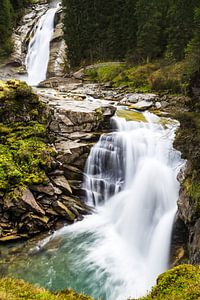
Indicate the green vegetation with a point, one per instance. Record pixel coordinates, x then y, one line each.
137 30
159 76
179 283
12 289
24 154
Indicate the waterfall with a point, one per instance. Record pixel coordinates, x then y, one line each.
37 57
139 161
117 252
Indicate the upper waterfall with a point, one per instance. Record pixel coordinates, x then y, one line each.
39 47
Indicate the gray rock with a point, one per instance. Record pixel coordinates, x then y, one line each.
62 183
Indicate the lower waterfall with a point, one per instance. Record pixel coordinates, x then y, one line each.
118 251
37 57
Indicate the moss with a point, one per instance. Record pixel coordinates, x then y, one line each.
18 103
179 283
12 289
24 153
131 115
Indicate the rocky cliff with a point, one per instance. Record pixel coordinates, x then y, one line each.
44 147
187 226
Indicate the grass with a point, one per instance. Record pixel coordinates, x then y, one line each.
159 76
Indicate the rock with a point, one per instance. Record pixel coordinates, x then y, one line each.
29 199
135 98
43 219
62 209
158 105
79 74
46 189
142 105
73 172
57 59
62 183
8 238
164 104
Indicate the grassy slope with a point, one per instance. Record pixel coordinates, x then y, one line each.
158 76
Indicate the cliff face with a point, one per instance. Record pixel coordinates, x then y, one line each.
187 226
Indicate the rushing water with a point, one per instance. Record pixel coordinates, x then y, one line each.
119 250
39 47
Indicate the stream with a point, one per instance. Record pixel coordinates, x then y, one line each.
130 180
118 251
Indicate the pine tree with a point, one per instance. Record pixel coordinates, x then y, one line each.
180 24
5 27
193 48
149 21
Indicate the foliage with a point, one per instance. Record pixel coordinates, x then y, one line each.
104 72
179 283
151 77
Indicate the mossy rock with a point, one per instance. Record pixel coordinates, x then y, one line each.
131 115
24 153
18 103
13 289
179 283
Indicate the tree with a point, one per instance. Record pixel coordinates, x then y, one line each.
5 27
149 21
180 24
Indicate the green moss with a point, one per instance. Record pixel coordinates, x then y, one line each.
130 115
105 72
179 283
12 289
24 154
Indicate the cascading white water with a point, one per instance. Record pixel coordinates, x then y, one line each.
39 47
117 252
140 160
